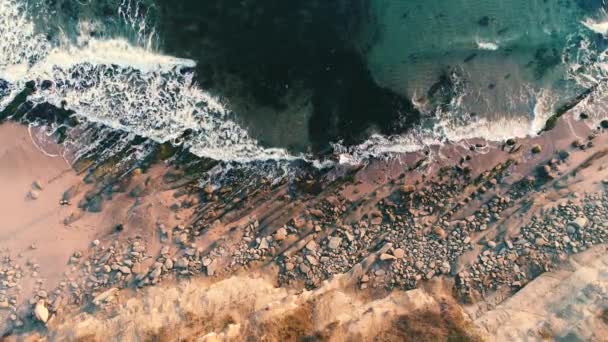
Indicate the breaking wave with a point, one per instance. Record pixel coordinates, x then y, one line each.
483 45
123 86
128 86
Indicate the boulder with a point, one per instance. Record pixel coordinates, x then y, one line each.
334 242
37 185
263 244
386 256
311 246
440 232
312 260
212 268
399 253
445 267
124 270
105 296
34 195
280 234
408 188
182 263
41 312
208 189
578 223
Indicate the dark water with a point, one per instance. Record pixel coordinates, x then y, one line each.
306 73
271 58
302 74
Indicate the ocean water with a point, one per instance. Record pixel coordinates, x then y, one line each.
276 80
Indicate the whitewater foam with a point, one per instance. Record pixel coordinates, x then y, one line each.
126 85
483 45
123 86
596 26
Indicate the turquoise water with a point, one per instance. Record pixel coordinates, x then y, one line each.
506 51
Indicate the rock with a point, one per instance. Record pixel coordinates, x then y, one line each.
70 193
280 234
491 244
312 260
212 268
182 263
445 267
263 244
399 253
207 261
124 270
386 256
540 242
440 232
536 149
334 242
41 312
168 264
95 243
408 188
304 269
37 185
578 223
156 273
289 266
311 246
208 189
105 296
34 195
95 204
570 229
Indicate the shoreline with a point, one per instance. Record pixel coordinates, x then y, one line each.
376 231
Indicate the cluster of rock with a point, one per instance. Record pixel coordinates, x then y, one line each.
11 292
130 265
118 265
569 228
418 232
409 246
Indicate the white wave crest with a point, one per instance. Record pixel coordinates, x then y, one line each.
123 86
600 27
484 45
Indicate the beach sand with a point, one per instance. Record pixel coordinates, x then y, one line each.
32 230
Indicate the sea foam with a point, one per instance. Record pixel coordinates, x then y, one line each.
127 85
123 86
